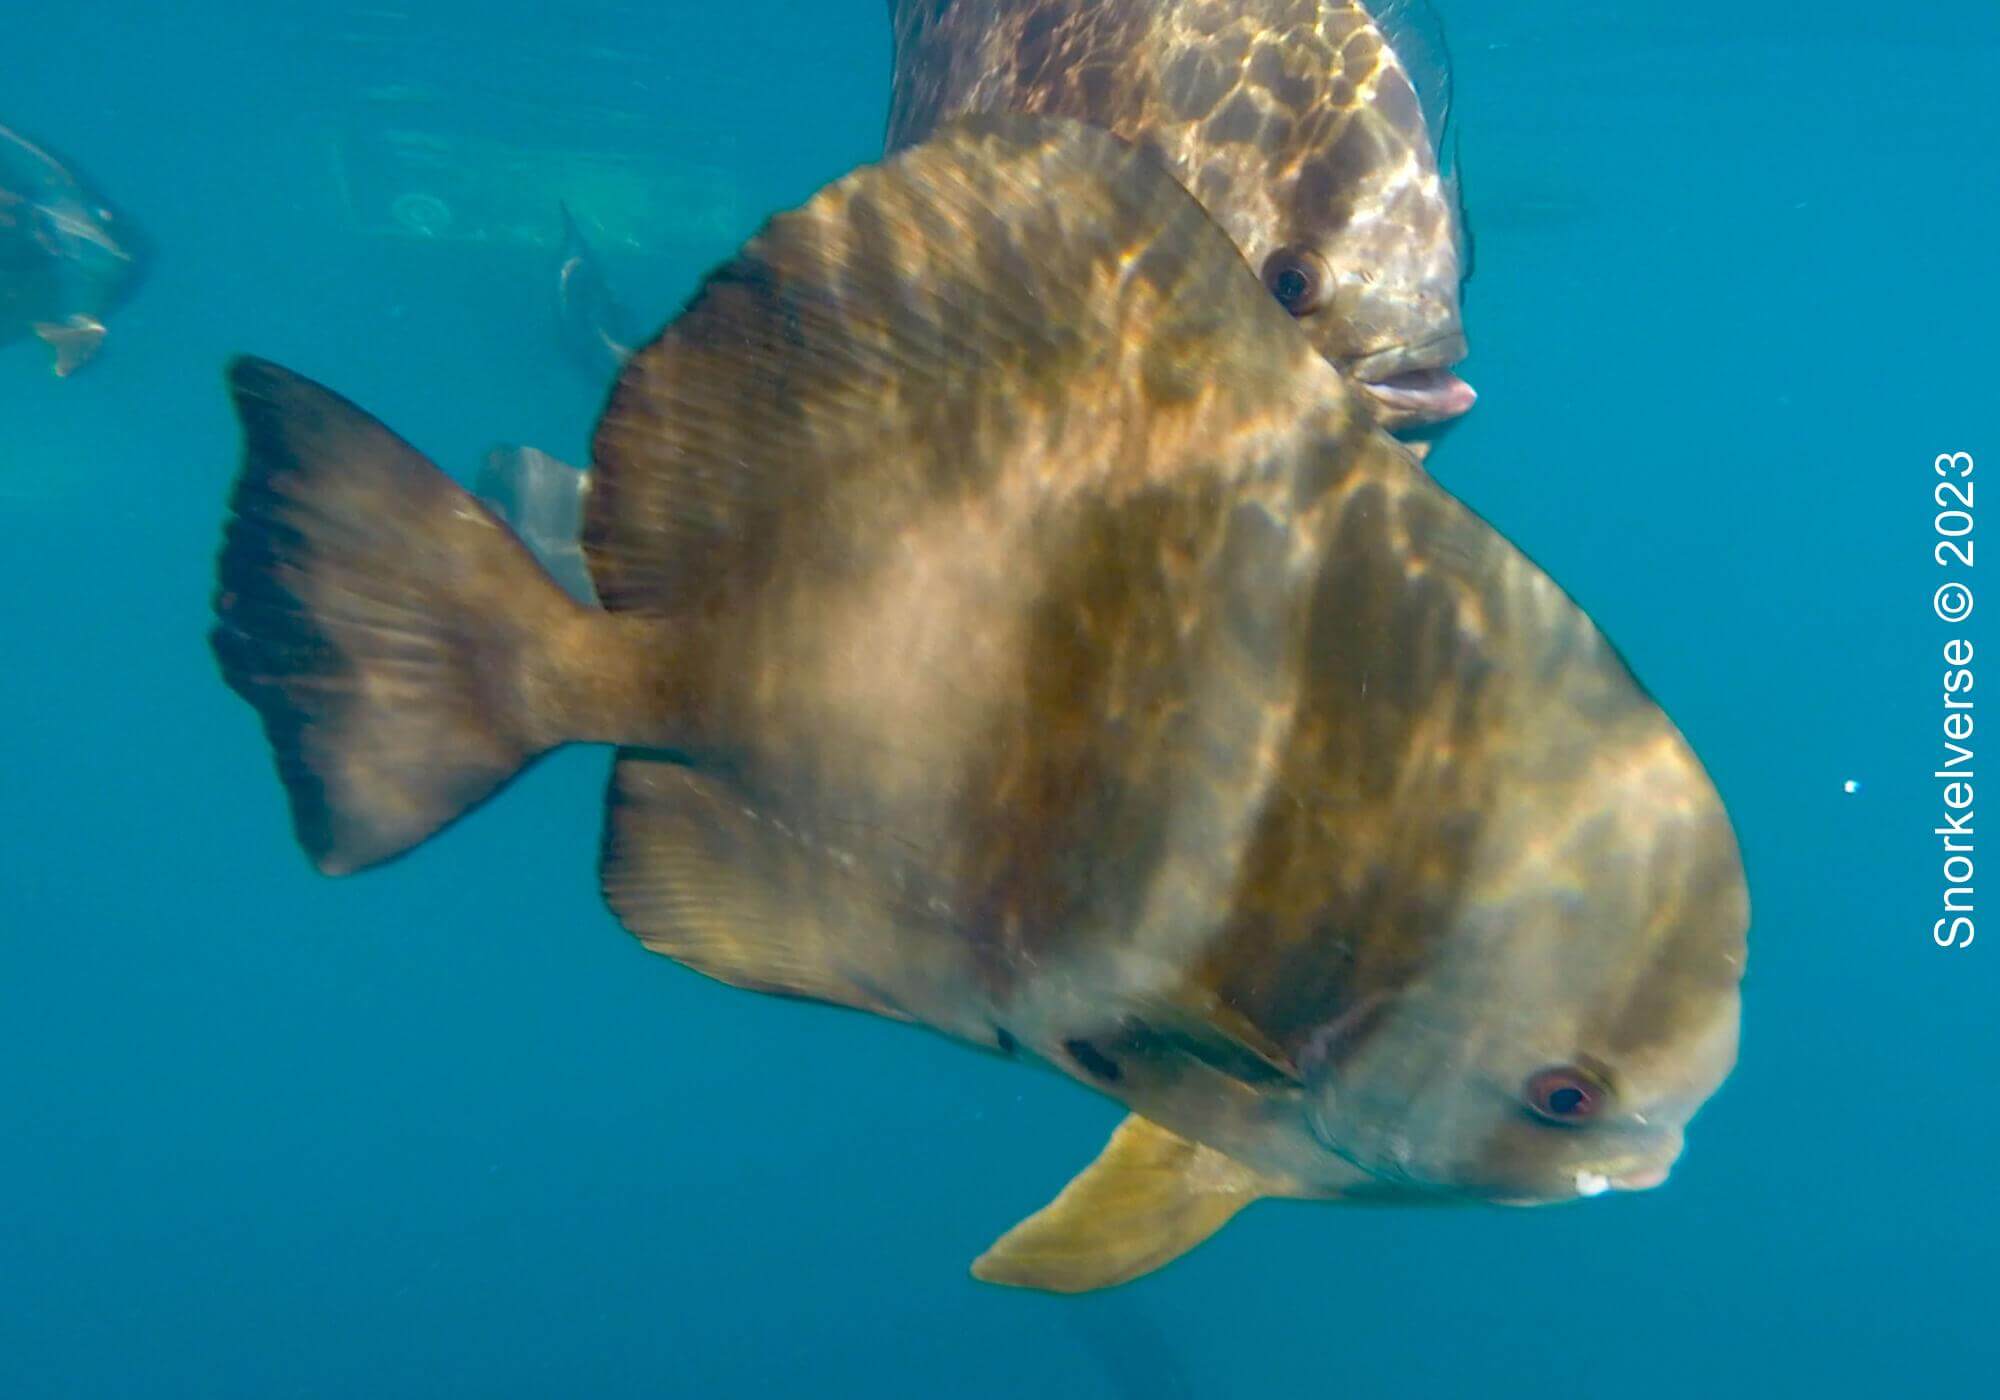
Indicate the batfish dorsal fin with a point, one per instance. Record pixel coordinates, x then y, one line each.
1149 1198
910 332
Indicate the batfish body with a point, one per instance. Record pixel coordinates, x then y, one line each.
1298 123
1010 624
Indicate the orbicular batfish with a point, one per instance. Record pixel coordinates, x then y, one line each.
1012 625
1298 123
66 260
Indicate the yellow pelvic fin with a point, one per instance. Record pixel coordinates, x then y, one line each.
1150 1197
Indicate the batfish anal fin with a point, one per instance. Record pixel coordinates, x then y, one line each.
700 875
74 340
1149 1198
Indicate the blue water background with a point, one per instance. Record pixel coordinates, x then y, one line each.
445 1130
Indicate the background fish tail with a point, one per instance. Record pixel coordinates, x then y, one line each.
541 499
404 650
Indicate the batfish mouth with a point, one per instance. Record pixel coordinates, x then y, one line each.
1642 1178
1420 396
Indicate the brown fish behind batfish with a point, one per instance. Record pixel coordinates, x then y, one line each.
1296 122
1011 625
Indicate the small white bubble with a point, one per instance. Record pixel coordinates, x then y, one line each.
1850 786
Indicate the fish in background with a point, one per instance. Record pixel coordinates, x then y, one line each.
542 498
1314 132
538 495
598 330
1012 625
67 261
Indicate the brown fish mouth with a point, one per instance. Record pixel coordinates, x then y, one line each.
1419 396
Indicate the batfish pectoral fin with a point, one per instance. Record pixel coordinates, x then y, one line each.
1149 1198
74 341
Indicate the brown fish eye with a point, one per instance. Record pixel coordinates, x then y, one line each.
1298 278
1564 1094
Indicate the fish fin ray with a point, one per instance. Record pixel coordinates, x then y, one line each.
934 311
699 876
1150 1197
1416 35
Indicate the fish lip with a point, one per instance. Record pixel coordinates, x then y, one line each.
1643 1178
1435 352
1413 383
1420 396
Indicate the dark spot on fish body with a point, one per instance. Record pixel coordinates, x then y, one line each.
1149 145
1319 201
1240 121
1357 153
1005 1043
1036 46
1093 1061
1396 102
1360 55
1278 144
1097 86
1194 85
1269 71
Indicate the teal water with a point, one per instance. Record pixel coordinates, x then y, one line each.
444 1130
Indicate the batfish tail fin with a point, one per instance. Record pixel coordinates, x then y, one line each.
404 650
542 499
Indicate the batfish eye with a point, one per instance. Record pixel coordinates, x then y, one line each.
1564 1094
1298 278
